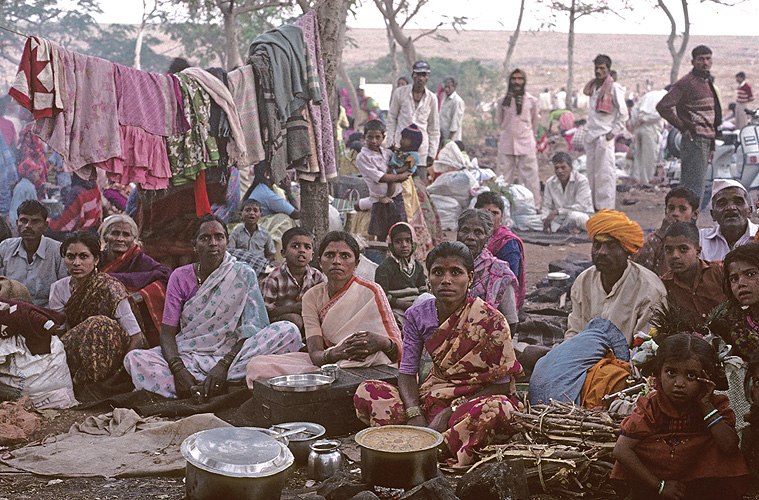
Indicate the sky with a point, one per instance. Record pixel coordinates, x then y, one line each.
706 18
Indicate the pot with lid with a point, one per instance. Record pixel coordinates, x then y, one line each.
235 463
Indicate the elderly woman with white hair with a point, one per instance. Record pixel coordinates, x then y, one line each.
144 277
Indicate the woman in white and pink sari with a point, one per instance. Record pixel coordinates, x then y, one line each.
348 320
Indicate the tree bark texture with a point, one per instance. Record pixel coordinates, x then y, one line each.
571 54
513 42
233 58
677 53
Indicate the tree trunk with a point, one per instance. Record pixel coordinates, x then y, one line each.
513 43
315 195
352 96
393 54
233 58
138 45
676 53
571 56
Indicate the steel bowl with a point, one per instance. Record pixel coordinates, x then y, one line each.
398 468
300 443
558 279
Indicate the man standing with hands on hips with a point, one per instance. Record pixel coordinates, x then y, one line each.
417 104
692 107
607 114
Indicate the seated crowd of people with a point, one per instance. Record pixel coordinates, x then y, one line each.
115 319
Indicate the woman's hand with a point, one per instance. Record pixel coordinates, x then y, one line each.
704 398
215 381
440 421
361 344
183 381
673 490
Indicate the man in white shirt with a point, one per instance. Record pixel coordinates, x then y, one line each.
614 288
567 202
730 210
417 104
451 112
646 124
545 102
607 114
561 99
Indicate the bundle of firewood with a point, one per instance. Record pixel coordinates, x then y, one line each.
566 450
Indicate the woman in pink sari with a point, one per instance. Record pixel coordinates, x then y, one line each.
503 243
468 395
348 320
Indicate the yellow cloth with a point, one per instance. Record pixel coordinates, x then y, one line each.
618 226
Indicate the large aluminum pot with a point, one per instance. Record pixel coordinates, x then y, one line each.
235 463
398 456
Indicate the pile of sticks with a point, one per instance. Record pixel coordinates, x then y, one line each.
566 450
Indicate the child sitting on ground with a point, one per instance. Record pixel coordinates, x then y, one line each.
406 158
680 441
248 236
283 289
372 162
400 275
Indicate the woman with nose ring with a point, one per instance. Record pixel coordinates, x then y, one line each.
468 394
142 276
214 322
347 319
101 323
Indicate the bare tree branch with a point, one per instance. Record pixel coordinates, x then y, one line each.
428 32
253 5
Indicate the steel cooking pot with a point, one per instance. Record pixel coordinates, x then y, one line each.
398 456
235 463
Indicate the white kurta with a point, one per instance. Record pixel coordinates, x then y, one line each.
452 116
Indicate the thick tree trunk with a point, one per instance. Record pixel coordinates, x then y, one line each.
571 56
393 54
513 43
315 195
233 58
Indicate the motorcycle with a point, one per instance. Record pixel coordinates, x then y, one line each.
736 156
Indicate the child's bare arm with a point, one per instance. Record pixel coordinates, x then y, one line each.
624 453
724 434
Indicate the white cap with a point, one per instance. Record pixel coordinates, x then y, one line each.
720 184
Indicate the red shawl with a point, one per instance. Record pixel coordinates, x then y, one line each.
497 240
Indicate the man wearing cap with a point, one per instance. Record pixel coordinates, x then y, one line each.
451 111
614 288
417 104
730 210
517 118
692 107
32 259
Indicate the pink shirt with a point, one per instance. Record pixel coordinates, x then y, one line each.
518 131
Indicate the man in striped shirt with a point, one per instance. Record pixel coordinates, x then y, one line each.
692 106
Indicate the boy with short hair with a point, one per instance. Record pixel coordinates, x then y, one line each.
693 284
248 236
400 275
681 204
372 162
283 289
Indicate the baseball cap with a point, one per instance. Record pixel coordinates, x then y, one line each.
420 67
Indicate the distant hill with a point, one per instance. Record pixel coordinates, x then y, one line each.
543 55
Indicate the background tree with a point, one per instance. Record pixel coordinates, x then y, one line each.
678 44
513 41
574 10
152 11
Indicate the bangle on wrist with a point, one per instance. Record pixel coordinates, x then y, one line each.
413 412
176 365
707 417
327 356
661 486
714 421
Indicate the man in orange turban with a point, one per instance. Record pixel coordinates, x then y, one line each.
614 288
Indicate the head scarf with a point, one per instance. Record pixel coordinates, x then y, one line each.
517 94
407 264
616 224
414 133
27 166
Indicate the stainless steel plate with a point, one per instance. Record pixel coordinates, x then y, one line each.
300 383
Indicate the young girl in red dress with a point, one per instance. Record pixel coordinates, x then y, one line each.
680 441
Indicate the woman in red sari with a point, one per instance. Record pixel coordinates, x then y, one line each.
142 276
468 394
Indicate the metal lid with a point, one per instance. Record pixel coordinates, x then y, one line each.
237 452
